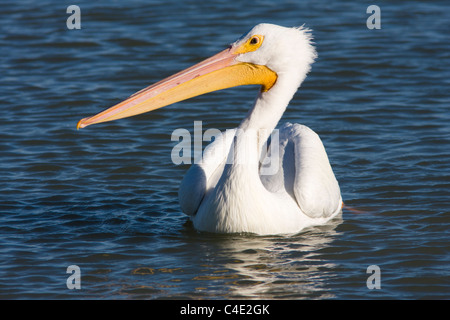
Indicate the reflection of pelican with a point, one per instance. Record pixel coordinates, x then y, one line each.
255 267
232 196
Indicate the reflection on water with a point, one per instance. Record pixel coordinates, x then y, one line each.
279 267
243 266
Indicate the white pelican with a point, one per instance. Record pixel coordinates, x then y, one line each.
233 196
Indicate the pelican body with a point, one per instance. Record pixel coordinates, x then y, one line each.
228 192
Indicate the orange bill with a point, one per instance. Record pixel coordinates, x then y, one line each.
219 72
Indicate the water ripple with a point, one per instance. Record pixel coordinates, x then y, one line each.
106 199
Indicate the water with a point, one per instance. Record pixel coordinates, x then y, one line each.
105 198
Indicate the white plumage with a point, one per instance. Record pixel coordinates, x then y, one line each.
227 195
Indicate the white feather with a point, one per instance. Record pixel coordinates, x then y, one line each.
225 194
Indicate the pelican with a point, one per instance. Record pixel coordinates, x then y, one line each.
224 193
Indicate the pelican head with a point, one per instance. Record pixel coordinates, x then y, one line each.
285 51
268 55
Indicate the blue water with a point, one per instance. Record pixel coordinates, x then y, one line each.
105 198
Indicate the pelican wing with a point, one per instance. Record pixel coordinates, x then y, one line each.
304 172
202 177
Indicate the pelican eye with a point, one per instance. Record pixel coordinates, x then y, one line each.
250 45
254 40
